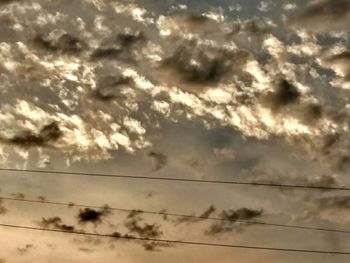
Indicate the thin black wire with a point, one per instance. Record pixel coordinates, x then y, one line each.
121 176
178 215
179 241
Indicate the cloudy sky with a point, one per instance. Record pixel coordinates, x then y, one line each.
229 90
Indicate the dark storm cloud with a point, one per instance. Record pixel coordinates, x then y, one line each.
286 97
198 63
56 223
311 112
196 19
106 52
323 15
342 56
49 133
285 94
93 216
205 67
121 47
128 39
65 43
230 217
241 214
159 160
109 87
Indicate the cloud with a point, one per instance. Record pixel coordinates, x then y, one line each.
150 246
90 134
159 160
136 227
106 53
122 47
94 216
56 223
323 15
256 26
340 64
311 112
144 230
128 39
241 214
64 42
109 87
212 77
284 94
193 19
230 217
186 22
198 63
49 133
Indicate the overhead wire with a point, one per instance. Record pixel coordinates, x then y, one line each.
183 242
187 180
255 222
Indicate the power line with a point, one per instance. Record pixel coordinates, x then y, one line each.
140 177
178 241
179 215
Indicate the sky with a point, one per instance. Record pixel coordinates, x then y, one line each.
228 90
